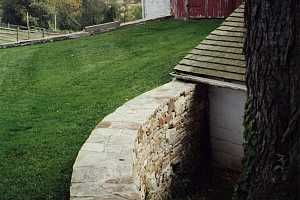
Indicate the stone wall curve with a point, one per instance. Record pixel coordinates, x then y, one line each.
145 148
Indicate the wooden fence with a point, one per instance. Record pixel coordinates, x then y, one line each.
14 33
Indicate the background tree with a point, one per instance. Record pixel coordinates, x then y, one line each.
111 11
1 10
98 11
40 14
272 118
15 12
68 14
92 12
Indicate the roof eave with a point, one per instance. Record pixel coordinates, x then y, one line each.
208 81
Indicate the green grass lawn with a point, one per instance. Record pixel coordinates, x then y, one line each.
53 95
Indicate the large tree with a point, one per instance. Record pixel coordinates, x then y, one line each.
272 117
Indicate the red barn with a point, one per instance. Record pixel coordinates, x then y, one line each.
203 8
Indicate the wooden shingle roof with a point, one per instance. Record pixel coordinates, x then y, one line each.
220 56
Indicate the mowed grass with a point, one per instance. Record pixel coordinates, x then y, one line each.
53 95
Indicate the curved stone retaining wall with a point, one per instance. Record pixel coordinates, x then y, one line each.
149 148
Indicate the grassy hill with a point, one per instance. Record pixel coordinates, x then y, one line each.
53 95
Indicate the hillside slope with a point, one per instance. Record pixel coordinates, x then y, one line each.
52 96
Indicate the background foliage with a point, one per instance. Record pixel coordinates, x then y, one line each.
70 14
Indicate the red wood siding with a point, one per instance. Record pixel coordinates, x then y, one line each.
204 8
177 8
197 8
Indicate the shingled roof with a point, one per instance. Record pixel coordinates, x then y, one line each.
218 58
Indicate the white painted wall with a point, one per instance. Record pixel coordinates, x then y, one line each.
226 130
153 9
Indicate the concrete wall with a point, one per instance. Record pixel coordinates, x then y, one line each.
153 9
226 110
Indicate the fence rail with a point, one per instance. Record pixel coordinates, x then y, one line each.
15 33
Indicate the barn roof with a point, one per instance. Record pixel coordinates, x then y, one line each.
219 59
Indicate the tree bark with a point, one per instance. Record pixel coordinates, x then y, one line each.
272 114
186 9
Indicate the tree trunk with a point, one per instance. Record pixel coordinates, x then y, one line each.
272 116
186 9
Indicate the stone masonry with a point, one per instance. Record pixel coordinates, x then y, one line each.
149 148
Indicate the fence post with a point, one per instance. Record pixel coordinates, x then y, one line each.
18 29
125 11
28 26
55 21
